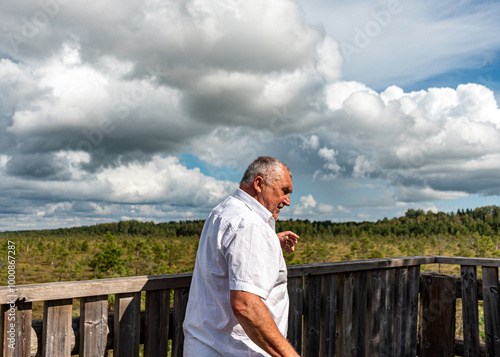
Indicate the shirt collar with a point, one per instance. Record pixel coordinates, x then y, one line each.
255 206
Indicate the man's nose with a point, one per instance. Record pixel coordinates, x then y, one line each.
287 200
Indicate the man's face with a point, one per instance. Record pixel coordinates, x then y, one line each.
275 194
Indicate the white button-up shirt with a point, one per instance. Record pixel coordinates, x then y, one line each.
238 250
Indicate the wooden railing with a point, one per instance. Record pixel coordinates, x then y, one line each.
379 307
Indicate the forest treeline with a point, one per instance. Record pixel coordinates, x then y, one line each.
145 248
482 220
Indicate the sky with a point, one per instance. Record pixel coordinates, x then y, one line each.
151 110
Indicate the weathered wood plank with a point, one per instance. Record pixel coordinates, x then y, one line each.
329 289
491 311
126 337
93 326
388 345
401 311
359 313
470 314
3 336
57 331
312 318
180 304
15 329
7 331
345 342
406 311
296 296
85 288
374 313
437 316
23 329
357 265
412 316
157 323
485 262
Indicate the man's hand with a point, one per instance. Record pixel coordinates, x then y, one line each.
288 239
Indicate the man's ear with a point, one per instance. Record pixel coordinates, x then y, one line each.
258 182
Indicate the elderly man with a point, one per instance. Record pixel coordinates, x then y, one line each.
238 301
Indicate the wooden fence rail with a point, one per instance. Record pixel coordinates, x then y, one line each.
379 307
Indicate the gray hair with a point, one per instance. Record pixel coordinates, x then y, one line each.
266 166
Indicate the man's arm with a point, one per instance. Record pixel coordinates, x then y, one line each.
253 316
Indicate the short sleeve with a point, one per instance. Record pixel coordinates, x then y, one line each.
253 256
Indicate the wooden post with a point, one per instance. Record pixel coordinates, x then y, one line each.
7 332
329 289
374 313
437 316
127 325
296 295
345 340
401 311
312 311
469 311
412 315
23 328
359 314
491 311
93 326
388 298
15 329
56 334
180 303
157 323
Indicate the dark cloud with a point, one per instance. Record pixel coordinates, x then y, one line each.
482 182
37 167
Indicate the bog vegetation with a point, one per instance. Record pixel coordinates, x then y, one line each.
145 248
